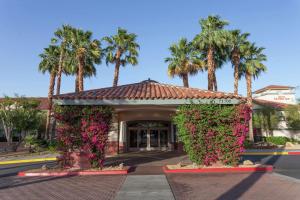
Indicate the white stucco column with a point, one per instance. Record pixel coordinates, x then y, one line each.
122 132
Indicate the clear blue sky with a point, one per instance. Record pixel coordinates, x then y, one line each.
27 26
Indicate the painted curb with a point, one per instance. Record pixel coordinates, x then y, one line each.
77 173
27 161
268 168
283 153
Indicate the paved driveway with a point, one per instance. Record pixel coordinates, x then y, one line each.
233 186
60 188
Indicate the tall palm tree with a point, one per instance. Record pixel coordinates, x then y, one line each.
86 51
122 49
62 36
212 37
252 66
49 64
237 43
88 71
220 57
183 61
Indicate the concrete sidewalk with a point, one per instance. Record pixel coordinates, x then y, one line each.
146 187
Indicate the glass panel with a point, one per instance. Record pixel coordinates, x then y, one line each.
153 138
163 138
147 124
143 141
133 139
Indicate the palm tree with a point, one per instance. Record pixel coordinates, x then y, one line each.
62 36
122 49
237 43
86 52
50 63
220 58
212 37
88 71
252 66
183 61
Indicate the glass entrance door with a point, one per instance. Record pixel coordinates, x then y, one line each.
154 138
142 139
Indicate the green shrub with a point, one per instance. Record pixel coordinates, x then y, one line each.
52 146
248 144
34 144
280 140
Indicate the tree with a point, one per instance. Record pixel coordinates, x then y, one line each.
18 115
49 64
252 66
211 38
86 51
122 49
292 115
183 61
62 36
237 43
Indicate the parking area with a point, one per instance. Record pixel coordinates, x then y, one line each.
233 186
60 188
147 166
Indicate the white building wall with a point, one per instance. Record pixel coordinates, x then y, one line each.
281 96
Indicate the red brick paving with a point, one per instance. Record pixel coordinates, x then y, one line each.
233 186
59 188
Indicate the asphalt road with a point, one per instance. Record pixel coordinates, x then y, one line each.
288 165
13 169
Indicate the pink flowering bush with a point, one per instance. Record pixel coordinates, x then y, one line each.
212 133
83 128
94 131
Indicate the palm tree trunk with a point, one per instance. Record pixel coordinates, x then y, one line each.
185 79
215 87
236 61
117 69
80 73
76 83
50 96
249 102
210 71
59 72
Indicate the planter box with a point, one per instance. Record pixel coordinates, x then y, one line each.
76 173
267 168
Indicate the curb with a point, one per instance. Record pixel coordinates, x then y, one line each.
271 153
77 173
27 161
268 168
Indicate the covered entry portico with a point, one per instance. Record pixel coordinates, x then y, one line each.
146 128
143 112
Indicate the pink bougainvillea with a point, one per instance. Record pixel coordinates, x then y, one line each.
83 128
212 133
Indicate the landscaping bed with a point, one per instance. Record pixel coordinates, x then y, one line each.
75 172
216 168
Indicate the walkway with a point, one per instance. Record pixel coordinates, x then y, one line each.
146 187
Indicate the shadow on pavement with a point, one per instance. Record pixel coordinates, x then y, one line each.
27 181
239 189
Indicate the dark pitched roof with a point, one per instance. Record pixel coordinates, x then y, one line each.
273 87
148 89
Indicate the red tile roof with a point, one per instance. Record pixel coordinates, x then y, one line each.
43 102
273 87
272 104
148 89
